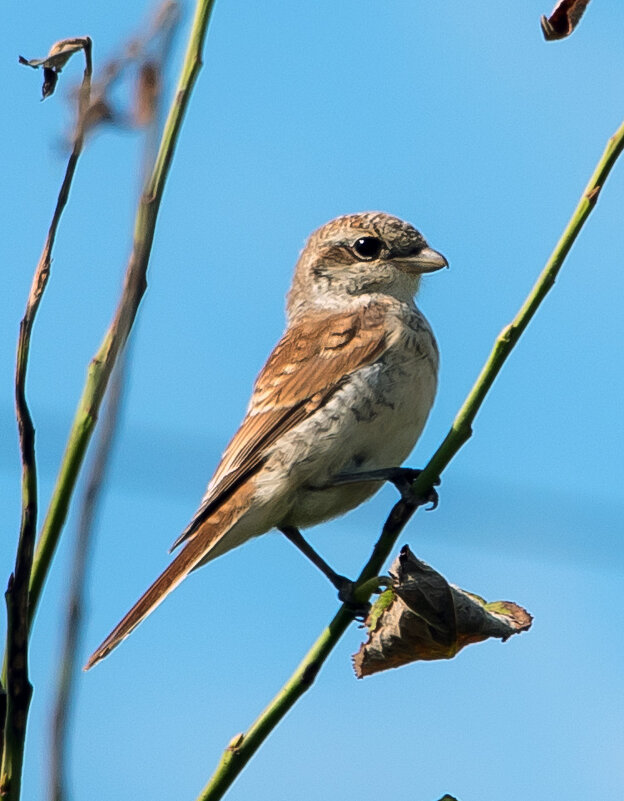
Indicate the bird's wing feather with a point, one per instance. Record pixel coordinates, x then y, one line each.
304 370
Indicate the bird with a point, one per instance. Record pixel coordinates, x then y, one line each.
339 404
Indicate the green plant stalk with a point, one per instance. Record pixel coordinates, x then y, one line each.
243 746
15 676
68 667
135 284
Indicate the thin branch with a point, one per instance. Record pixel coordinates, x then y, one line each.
243 746
134 287
15 669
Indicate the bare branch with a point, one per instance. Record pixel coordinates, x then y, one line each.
15 671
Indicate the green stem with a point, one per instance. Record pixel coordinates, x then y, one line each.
243 746
134 287
461 430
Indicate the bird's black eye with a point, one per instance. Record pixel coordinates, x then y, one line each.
368 247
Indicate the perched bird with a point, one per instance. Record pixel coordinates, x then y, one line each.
344 396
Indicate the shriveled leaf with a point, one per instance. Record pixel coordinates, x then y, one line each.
53 63
148 88
564 18
59 54
50 77
98 113
423 617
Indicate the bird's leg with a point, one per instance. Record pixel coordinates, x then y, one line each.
341 583
402 478
344 586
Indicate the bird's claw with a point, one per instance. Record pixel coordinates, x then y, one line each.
403 479
346 594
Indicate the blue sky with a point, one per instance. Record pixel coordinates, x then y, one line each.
464 121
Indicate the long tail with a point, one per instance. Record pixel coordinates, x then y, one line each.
189 558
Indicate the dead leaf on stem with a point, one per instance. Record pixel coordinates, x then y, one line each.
53 63
564 18
423 617
147 91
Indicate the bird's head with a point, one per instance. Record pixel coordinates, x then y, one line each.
360 254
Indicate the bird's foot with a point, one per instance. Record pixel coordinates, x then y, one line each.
348 596
403 479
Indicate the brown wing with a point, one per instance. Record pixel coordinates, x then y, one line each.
305 369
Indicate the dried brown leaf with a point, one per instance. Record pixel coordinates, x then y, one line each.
564 18
53 63
423 617
99 112
147 92
50 77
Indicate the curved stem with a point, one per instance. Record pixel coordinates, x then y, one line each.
15 678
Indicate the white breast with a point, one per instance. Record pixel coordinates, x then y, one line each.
372 421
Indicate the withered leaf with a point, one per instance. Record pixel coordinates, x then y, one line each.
564 18
148 88
423 617
53 63
99 112
59 54
50 77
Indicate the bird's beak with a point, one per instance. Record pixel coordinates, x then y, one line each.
426 260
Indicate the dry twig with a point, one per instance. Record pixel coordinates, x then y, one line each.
15 672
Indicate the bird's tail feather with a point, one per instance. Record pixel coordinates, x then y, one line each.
168 580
